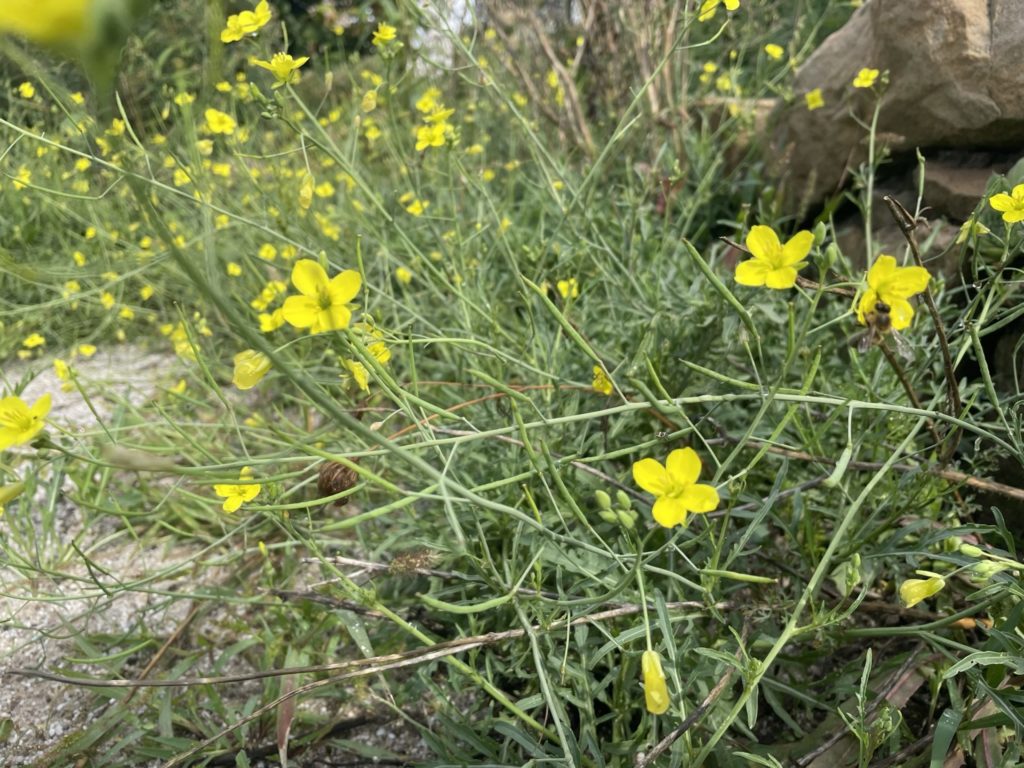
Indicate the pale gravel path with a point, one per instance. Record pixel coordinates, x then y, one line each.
40 615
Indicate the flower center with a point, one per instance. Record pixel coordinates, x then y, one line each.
323 297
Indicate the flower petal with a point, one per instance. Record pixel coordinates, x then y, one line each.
308 277
232 503
907 281
344 286
764 243
651 476
669 511
797 248
901 313
752 272
866 305
1002 202
881 271
700 498
780 278
41 407
300 311
683 466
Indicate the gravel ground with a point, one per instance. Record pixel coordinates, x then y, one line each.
40 616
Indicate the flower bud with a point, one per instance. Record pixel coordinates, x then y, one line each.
609 515
623 499
626 520
913 591
986 570
969 550
820 230
655 689
604 501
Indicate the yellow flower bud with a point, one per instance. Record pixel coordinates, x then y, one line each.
655 689
250 367
913 591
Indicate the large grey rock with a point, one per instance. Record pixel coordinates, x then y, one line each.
956 80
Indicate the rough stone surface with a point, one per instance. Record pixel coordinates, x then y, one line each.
955 81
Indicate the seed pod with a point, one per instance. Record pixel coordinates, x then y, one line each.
335 478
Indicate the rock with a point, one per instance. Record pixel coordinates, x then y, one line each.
954 81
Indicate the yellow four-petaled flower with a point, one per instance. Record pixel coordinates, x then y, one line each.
20 422
283 67
892 285
236 494
245 23
774 265
323 303
675 486
1010 205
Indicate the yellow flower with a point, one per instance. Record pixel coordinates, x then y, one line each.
655 689
87 350
427 103
1010 205
865 78
233 269
675 486
245 23
219 122
357 372
430 136
774 51
271 321
283 67
602 384
417 207
569 288
384 34
774 265
973 228
250 367
34 340
323 303
237 494
26 90
814 100
708 8
403 275
892 285
380 351
19 422
913 591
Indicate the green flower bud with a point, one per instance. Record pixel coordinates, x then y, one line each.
820 230
969 550
604 501
987 569
830 256
626 520
623 498
609 515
